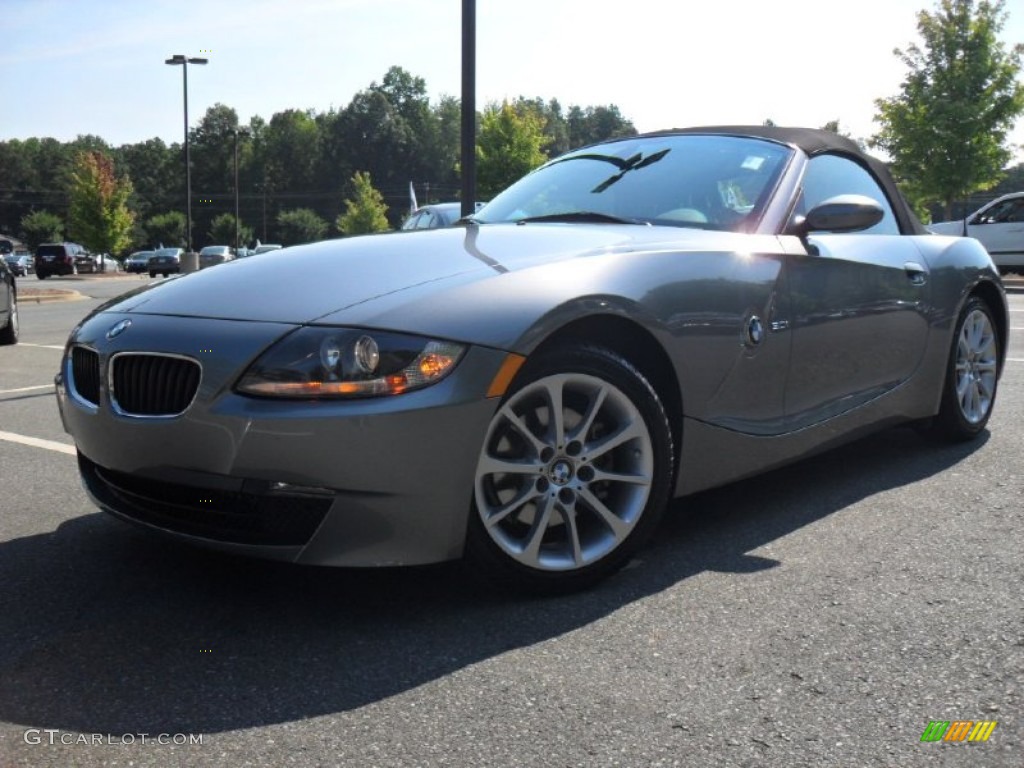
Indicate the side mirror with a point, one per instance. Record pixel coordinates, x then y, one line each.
842 213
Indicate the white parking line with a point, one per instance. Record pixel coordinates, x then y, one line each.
25 389
40 346
36 442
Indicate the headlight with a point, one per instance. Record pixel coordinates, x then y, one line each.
316 362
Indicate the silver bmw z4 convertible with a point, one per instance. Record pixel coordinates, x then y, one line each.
631 322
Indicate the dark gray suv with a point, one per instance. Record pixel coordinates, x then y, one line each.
57 259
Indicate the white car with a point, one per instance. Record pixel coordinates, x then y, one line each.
264 249
999 226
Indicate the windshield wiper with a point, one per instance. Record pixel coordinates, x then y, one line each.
583 216
625 165
634 163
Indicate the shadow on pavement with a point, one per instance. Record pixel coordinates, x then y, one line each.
106 628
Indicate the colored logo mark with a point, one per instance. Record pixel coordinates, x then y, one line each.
958 730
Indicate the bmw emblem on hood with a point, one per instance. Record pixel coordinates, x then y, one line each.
118 328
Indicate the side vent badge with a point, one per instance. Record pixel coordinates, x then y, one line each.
754 332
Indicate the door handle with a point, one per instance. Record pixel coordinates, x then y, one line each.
917 274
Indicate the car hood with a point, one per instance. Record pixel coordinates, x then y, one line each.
304 283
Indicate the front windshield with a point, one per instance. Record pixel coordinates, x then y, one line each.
691 180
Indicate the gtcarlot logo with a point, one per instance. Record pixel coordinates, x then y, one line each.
958 730
52 736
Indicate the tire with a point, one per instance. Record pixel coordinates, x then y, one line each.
561 503
9 333
152 274
41 275
971 376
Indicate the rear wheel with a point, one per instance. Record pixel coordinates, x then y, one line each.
574 474
971 375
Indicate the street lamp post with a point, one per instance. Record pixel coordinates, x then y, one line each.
184 61
468 150
243 132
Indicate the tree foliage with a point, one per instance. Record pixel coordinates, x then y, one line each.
98 216
294 159
222 231
946 130
41 227
365 212
167 229
300 225
508 146
593 124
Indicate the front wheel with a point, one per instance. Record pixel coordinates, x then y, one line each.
9 333
972 375
574 474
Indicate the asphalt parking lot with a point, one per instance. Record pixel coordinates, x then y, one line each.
820 615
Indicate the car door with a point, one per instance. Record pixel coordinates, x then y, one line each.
859 303
1000 228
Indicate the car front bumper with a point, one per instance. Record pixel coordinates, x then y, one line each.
378 481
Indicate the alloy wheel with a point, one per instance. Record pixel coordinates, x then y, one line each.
566 472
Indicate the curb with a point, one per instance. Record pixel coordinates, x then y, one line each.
47 295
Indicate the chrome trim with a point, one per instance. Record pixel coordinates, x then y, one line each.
112 395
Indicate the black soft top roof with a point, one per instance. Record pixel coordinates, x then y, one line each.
816 141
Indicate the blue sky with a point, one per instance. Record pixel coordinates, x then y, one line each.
70 67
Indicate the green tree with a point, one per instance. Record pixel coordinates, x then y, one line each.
300 225
41 227
157 177
508 146
222 231
946 131
166 228
365 212
593 124
98 216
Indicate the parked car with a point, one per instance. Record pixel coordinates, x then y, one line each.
164 261
999 226
8 305
57 259
435 215
20 263
138 262
212 255
85 262
634 321
264 248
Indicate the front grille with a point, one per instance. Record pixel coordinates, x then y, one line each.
237 517
153 385
85 374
